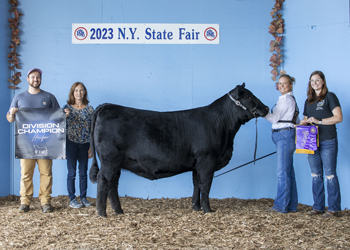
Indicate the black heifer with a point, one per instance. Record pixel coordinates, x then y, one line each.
162 144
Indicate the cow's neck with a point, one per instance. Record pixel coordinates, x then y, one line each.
228 115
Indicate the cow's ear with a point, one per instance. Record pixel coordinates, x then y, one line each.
243 85
236 91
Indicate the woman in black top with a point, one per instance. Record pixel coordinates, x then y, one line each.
323 109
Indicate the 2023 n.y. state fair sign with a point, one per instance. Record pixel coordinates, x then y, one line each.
135 33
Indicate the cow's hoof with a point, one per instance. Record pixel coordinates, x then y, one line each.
208 211
196 208
118 211
102 214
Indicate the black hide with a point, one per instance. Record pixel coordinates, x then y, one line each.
162 144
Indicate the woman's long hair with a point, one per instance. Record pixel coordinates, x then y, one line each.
311 94
71 100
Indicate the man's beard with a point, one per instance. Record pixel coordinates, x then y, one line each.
36 87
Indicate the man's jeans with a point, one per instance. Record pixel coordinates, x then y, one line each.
287 196
325 158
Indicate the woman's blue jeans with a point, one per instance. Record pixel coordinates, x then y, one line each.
77 153
287 195
325 159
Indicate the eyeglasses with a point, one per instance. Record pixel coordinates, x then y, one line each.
317 80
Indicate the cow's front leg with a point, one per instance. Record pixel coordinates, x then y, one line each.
205 178
102 192
196 192
113 194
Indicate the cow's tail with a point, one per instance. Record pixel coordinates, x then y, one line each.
94 167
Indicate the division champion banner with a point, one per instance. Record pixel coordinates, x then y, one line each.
40 134
306 139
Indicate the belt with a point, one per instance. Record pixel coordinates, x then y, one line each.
281 129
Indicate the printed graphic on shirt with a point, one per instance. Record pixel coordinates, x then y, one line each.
320 105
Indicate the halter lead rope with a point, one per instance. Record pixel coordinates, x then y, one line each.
253 111
256 138
244 164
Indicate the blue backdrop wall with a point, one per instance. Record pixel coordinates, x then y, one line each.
175 77
5 167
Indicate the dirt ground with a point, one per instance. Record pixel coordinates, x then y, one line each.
169 224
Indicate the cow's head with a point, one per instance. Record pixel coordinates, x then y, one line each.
245 99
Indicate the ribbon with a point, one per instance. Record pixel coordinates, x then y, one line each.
306 139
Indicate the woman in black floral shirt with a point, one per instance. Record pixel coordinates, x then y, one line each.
78 142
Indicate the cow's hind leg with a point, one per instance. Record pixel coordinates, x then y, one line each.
196 192
102 192
113 194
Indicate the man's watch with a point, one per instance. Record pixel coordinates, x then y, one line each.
320 122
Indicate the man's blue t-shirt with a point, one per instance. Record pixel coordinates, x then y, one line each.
41 100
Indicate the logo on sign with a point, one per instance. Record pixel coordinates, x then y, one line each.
40 151
210 34
80 33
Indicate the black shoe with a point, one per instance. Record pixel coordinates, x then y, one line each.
23 208
47 208
271 210
330 214
314 212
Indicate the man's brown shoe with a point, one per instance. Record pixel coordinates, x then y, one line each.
23 208
47 208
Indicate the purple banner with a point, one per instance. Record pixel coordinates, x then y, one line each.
306 137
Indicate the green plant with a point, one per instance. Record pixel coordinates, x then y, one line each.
15 41
276 29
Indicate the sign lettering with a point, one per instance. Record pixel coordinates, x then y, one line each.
123 33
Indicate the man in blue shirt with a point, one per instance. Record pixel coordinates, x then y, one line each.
34 97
